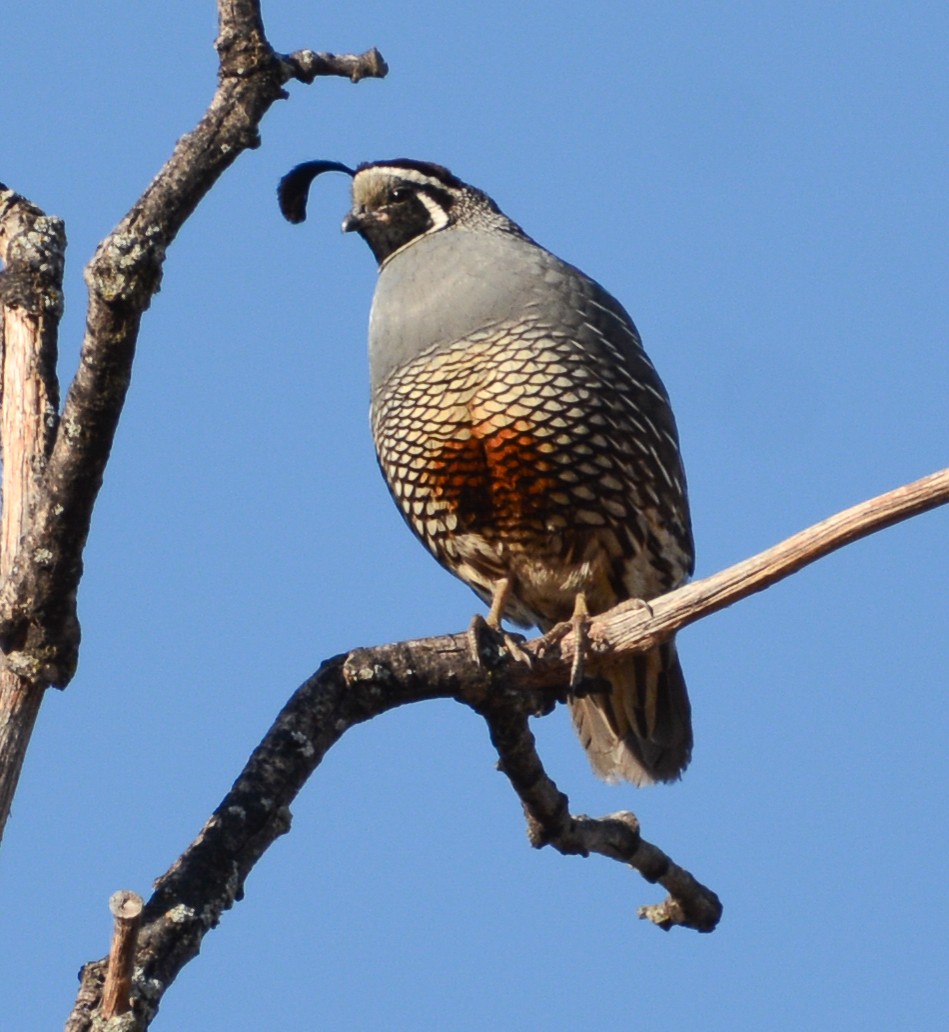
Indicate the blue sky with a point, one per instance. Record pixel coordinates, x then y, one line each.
763 186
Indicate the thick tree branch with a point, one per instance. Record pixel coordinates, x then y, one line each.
347 690
32 251
122 277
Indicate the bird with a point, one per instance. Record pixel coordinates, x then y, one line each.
525 436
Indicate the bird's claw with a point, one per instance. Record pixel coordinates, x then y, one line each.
485 643
580 625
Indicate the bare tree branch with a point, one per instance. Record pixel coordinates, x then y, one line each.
53 467
208 878
616 836
32 250
122 277
633 626
57 471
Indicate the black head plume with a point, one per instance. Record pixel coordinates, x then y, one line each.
294 188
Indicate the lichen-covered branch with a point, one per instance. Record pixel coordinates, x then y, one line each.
209 876
122 277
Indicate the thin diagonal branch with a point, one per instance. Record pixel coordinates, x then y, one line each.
633 626
209 876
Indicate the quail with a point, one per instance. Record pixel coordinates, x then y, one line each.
525 436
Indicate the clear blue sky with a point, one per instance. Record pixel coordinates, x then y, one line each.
764 186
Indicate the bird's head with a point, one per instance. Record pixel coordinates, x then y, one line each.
395 202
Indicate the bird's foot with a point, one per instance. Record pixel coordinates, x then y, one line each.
487 640
487 631
580 625
582 683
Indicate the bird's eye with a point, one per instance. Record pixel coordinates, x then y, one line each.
401 193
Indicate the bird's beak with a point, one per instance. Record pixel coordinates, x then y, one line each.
354 220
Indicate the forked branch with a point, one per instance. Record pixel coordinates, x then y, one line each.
208 878
122 277
53 467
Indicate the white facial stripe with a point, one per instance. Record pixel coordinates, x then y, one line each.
410 175
436 212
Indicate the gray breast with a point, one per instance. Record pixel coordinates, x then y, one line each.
455 283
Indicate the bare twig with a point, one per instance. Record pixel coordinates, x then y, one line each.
307 65
126 908
209 876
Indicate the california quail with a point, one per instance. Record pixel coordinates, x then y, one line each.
524 434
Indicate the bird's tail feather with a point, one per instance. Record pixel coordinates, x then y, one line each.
641 730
